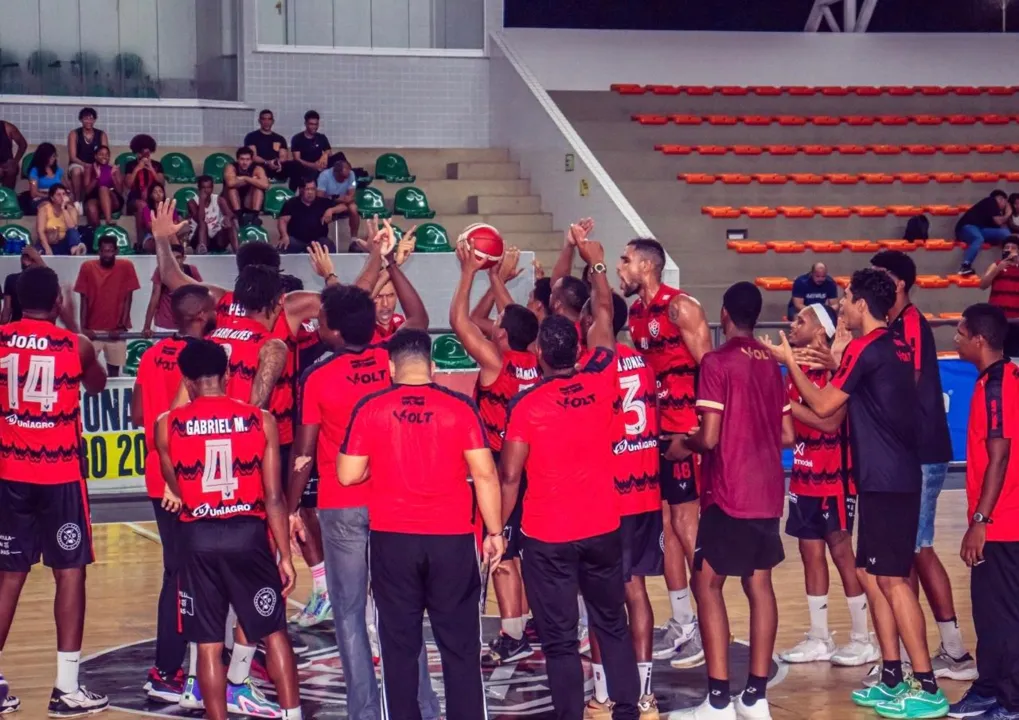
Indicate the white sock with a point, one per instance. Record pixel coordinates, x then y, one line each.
817 606
240 663
682 610
601 685
858 615
67 671
951 638
193 659
582 606
231 621
292 714
369 612
514 627
318 579
644 671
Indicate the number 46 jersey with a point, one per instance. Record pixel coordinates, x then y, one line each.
216 446
40 377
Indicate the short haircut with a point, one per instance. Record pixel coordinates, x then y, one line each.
350 311
107 239
183 300
620 313
543 292
244 150
201 358
876 289
651 249
521 326
206 179
310 115
558 341
266 111
87 112
898 264
574 293
409 345
307 177
291 283
999 193
257 253
743 302
38 289
104 147
143 142
1011 240
54 188
989 322
258 288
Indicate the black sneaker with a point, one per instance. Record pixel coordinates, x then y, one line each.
505 649
531 632
966 269
80 703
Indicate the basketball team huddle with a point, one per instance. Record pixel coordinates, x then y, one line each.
282 420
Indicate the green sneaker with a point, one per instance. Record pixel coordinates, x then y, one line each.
915 704
880 693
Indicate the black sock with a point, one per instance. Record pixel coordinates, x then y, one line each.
891 672
718 693
755 689
927 681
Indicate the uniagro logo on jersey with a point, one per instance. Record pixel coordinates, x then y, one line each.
265 601
69 536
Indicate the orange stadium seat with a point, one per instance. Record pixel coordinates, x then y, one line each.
901 90
904 210
989 149
825 120
843 178
687 119
851 149
1013 148
859 119
992 119
722 119
773 283
965 281
733 90
962 120
757 119
823 246
948 177
914 178
781 149
797 212
663 89
966 90
938 244
955 149
771 178
867 90
877 178
954 315
650 119
920 149
791 120
886 149
627 89
735 179
818 149
1000 90
834 91
931 282
932 90
747 247
983 177
928 119
674 149
766 90
893 119
900 245
860 246
869 210
807 178
747 149
759 212
720 211
786 247
697 178
699 90
832 211
842 280
710 149
801 90
942 210
1010 176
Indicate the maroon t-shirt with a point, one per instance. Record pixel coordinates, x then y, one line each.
743 475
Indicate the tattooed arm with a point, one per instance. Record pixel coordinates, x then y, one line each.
271 360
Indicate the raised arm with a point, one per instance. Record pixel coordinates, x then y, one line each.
416 316
826 401
600 334
164 229
479 347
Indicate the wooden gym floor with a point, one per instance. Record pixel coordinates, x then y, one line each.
124 583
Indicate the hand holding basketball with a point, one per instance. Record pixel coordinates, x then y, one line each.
486 241
470 263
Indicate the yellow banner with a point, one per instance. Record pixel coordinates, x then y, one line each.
114 455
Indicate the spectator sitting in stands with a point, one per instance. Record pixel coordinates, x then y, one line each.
1002 277
244 184
270 148
305 219
10 161
310 149
338 184
82 145
986 221
142 173
43 174
145 242
212 221
56 224
159 310
815 286
102 189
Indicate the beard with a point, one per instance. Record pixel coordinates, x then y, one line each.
630 289
209 326
107 262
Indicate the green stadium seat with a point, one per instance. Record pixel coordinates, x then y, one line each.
177 168
412 203
432 238
393 168
135 350
26 164
9 207
214 166
370 201
183 196
448 353
15 238
124 245
275 197
123 159
252 233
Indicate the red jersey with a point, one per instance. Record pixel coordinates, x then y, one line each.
819 458
383 332
636 441
570 425
159 377
660 341
994 413
40 380
519 371
1005 291
216 446
415 437
329 391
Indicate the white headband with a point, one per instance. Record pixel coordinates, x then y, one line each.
823 318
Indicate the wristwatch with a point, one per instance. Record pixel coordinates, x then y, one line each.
979 517
599 268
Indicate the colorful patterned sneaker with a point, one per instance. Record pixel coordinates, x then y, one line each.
691 650
317 611
667 639
246 699
860 650
80 703
880 693
598 710
647 706
8 703
191 698
971 705
505 649
164 688
946 666
917 703
812 648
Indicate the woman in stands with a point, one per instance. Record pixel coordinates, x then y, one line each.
142 173
155 195
57 224
43 174
102 189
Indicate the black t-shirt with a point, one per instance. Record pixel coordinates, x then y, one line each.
935 441
306 220
266 147
982 214
877 374
10 290
311 148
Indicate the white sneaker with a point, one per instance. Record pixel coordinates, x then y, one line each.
860 650
704 711
758 711
811 649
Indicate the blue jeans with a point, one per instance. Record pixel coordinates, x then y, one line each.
933 480
71 239
975 237
345 544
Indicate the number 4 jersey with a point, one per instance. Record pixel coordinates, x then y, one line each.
216 446
40 376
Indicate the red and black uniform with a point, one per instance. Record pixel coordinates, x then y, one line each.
43 498
384 332
822 499
216 446
659 340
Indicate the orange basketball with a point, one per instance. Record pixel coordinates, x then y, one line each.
488 244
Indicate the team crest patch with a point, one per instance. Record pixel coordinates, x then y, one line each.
69 536
654 327
265 601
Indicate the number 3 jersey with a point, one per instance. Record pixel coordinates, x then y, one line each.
216 446
40 376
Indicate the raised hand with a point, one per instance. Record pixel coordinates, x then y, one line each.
163 226
469 260
591 251
508 266
406 246
539 271
321 262
782 351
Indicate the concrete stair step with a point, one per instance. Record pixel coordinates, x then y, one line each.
550 241
503 205
483 171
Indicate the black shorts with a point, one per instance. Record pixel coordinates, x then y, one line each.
643 544
677 479
51 522
886 541
512 529
736 547
224 563
815 518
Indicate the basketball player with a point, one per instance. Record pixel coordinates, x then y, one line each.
635 449
822 507
876 380
951 660
669 328
387 320
43 499
155 390
562 431
745 421
506 367
220 456
419 442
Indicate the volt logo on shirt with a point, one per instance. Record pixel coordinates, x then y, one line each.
576 402
413 417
